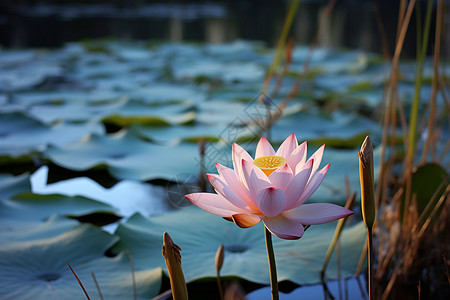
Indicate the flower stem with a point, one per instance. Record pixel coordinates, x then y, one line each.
272 265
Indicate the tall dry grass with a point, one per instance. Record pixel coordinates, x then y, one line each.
412 244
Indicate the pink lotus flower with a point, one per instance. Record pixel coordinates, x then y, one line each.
272 187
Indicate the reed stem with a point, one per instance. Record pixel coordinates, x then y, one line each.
418 84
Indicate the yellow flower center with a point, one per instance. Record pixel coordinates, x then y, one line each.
269 163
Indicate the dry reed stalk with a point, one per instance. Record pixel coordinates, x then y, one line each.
429 143
390 107
133 278
412 239
401 15
292 11
286 65
97 285
382 30
79 282
220 255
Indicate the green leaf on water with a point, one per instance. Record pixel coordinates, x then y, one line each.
125 156
21 212
12 185
199 234
156 114
429 182
38 269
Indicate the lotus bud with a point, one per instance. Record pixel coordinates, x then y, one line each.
366 178
171 253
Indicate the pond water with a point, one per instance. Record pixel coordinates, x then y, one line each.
348 289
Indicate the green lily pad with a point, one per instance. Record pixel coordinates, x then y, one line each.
164 93
343 62
340 129
199 234
75 111
29 70
125 156
429 182
175 134
22 211
38 269
239 50
21 135
13 232
13 185
351 82
151 115
227 72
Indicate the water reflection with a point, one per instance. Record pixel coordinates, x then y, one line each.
348 289
127 196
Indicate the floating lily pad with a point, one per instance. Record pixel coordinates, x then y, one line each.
74 111
429 182
343 62
151 115
38 269
13 185
21 135
13 232
238 47
199 234
77 94
23 211
125 156
29 70
175 134
227 72
350 82
347 128
164 93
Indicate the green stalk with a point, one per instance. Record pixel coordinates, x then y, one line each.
418 85
272 265
370 262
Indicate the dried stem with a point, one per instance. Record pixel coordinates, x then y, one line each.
79 281
97 286
220 255
133 279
